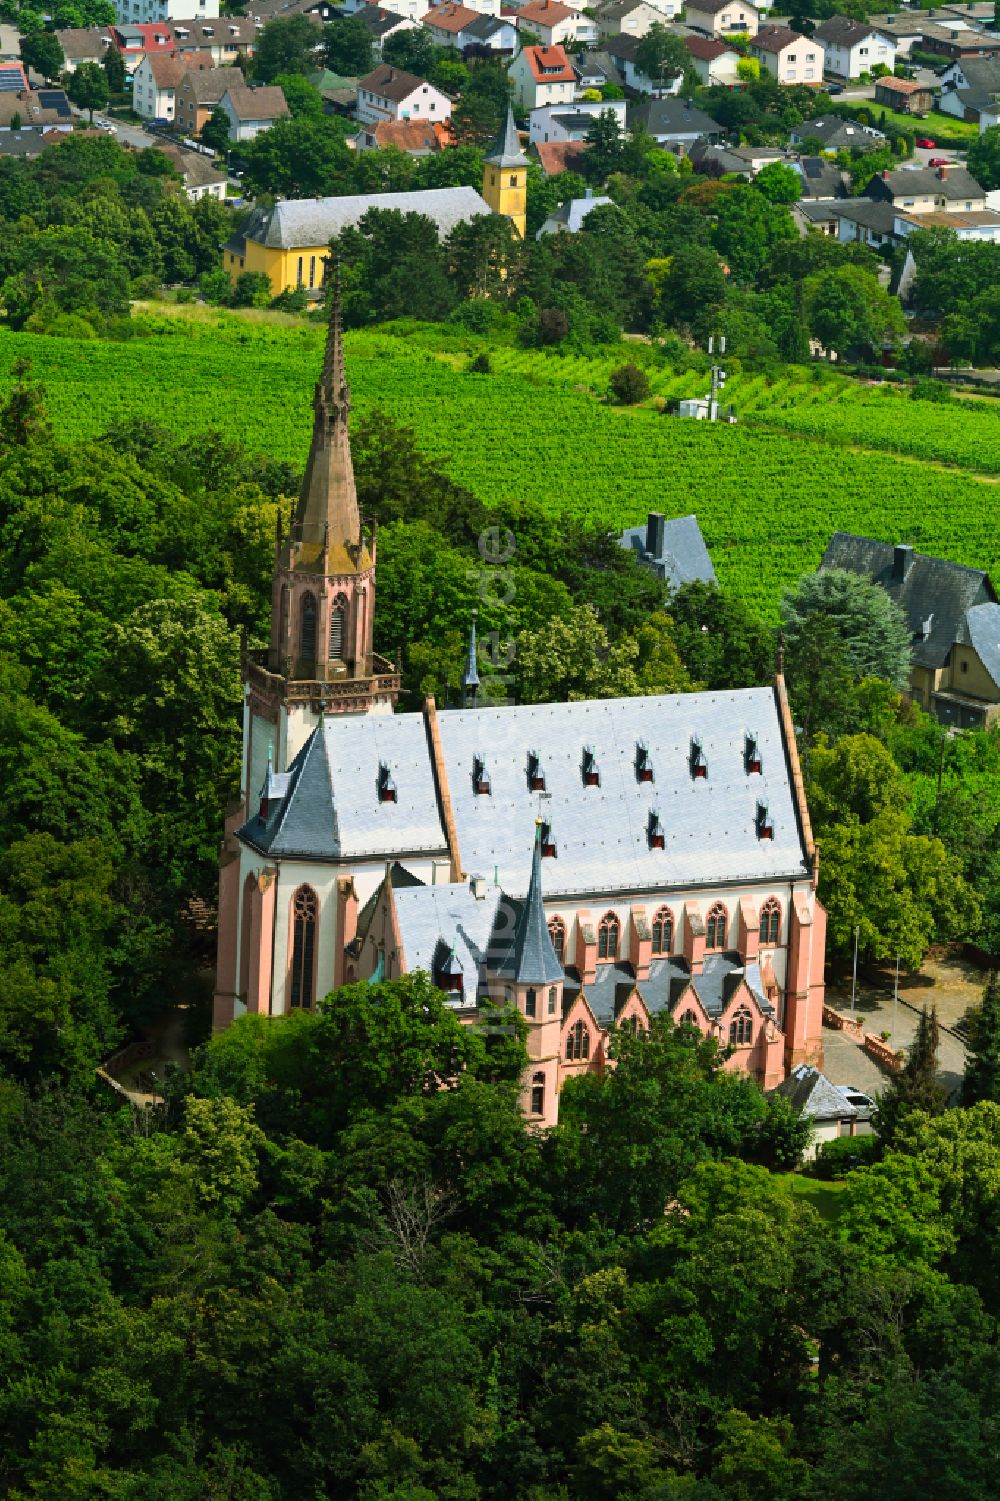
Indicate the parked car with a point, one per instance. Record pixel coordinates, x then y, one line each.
834 88
925 143
941 161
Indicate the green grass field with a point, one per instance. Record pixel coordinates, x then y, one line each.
767 500
824 1197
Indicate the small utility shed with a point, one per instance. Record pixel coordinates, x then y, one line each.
811 1094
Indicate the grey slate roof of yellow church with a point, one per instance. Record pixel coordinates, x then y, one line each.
935 594
506 149
332 811
314 221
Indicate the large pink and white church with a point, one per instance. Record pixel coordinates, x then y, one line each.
592 863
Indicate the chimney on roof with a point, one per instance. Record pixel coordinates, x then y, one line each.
885 175
655 532
942 173
902 560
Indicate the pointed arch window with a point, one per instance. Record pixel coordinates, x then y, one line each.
578 1043
531 1002
538 1094
663 931
717 927
338 619
770 920
307 628
689 1018
246 924
557 932
553 999
305 910
741 1028
608 936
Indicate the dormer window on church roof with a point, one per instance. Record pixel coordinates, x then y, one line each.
386 784
546 842
764 822
751 753
589 768
480 776
655 836
696 759
536 773
643 763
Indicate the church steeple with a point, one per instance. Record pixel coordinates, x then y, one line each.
321 657
327 517
505 175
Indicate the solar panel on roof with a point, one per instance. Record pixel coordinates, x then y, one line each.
11 79
54 99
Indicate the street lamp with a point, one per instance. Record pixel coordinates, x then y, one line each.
854 978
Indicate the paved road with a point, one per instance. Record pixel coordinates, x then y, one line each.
951 994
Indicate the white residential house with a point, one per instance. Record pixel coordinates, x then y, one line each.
633 17
554 23
713 61
140 11
252 111
853 47
787 55
721 20
541 76
623 50
83 44
202 179
155 83
570 122
388 93
568 217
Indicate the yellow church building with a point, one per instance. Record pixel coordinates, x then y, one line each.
505 177
289 243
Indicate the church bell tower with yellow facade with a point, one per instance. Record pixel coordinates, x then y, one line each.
505 176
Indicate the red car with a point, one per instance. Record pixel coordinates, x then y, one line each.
925 143
940 161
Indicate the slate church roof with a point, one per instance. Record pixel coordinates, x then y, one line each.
812 1095
935 594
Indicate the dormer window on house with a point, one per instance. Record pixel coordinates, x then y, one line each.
654 832
547 843
765 823
480 776
589 769
386 785
751 754
696 760
536 776
643 763
448 973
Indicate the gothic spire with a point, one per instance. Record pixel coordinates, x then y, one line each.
531 958
470 677
327 519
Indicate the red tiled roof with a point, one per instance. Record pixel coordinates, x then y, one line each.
560 156
900 85
549 64
407 135
545 13
450 17
705 47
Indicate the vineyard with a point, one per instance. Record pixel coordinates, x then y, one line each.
767 501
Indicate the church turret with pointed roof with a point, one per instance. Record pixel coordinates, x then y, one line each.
505 176
321 657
